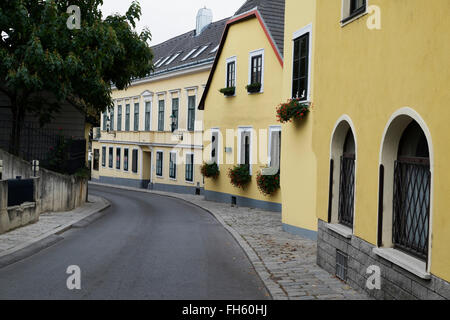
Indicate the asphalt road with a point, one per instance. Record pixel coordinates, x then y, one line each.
145 246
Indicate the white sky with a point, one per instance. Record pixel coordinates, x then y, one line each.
169 18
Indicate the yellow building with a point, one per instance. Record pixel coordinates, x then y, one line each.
380 137
240 125
152 137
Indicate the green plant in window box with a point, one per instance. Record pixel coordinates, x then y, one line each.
210 170
240 176
229 91
253 87
292 110
268 185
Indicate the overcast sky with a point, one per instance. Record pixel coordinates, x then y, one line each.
169 18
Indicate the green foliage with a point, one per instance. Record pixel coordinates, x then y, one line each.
229 91
292 110
40 56
210 170
253 87
268 185
240 176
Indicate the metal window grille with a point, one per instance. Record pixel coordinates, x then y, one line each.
341 265
412 180
347 190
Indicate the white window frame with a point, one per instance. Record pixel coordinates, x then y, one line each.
176 165
193 167
240 131
297 34
148 97
216 130
345 12
269 149
228 60
187 107
162 164
250 56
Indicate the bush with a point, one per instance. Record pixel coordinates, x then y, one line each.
268 185
210 170
229 91
240 176
292 110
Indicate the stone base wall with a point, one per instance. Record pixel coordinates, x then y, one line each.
396 283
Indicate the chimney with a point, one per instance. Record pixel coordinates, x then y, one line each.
204 19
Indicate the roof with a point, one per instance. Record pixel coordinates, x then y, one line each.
272 12
188 49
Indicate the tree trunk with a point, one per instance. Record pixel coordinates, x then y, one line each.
18 116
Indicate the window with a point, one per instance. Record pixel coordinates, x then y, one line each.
245 147
412 181
161 115
118 154
103 156
215 147
190 167
352 9
119 118
125 159
347 182
191 113
173 165
111 120
148 107
127 117
173 58
136 117
96 159
300 78
189 54
134 163
199 52
275 148
175 106
105 121
256 69
159 163
231 74
111 157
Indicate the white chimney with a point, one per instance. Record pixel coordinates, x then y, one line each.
204 19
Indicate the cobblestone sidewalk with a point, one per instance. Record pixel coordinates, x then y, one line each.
48 224
285 262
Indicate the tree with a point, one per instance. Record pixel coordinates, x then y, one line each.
41 56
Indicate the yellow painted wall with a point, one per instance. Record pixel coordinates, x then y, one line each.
368 75
256 110
173 86
298 161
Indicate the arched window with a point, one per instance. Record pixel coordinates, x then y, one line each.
411 198
347 181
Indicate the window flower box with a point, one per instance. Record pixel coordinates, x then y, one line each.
228 92
210 170
240 176
292 110
268 185
253 88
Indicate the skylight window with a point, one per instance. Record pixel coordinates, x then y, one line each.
189 54
215 49
199 52
173 58
157 61
162 62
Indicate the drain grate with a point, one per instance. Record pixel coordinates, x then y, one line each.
341 265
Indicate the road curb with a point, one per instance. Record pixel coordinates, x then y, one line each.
272 287
51 237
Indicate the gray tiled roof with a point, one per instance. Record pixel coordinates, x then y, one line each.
184 44
272 11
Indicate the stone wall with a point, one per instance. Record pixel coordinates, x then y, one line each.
53 192
396 282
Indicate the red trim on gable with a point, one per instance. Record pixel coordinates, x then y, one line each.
258 16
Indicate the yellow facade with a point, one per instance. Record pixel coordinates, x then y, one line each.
298 161
244 110
149 142
371 76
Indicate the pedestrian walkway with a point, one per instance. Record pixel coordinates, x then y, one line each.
285 262
48 224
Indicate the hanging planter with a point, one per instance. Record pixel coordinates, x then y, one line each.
268 185
210 170
229 91
240 176
253 88
292 110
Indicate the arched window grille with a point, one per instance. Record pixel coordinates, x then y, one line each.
347 182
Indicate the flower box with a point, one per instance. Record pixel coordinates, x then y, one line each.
240 176
253 88
229 91
292 110
268 185
210 170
